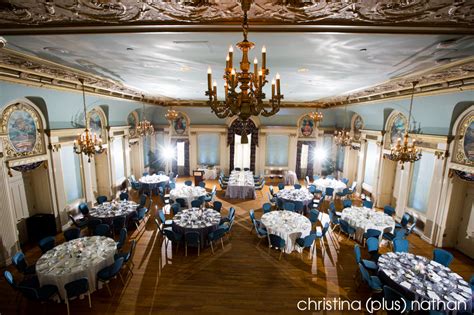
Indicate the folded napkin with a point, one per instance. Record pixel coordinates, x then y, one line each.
406 284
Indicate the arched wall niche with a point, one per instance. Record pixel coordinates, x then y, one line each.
180 126
463 150
307 127
98 123
395 128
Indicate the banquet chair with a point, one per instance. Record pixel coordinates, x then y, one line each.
122 238
272 192
368 264
124 196
373 282
266 207
345 227
345 180
101 199
471 283
128 256
398 234
343 193
173 237
202 184
329 192
389 210
192 239
19 261
102 230
76 288
368 204
400 245
260 186
142 202
216 235
277 242
279 204
272 199
222 184
175 208
314 216
299 206
289 206
36 293
320 235
334 221
252 219
281 186
346 203
371 233
139 217
238 169
412 225
164 223
307 181
182 202
297 186
172 185
404 221
108 273
118 223
442 256
246 169
79 223
91 224
47 243
306 242
312 189
83 208
230 216
217 205
261 231
71 234
188 183
393 297
373 247
196 203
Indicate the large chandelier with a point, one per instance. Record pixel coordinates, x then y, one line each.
144 127
342 137
406 151
248 100
316 116
87 143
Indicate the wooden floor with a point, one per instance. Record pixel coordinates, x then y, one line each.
241 278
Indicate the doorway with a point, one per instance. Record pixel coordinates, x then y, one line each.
464 243
242 152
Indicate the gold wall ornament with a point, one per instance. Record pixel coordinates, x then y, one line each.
406 151
249 100
87 142
24 131
171 115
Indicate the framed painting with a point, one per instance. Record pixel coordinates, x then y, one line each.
95 122
180 124
357 125
468 143
397 128
22 125
464 149
306 126
132 121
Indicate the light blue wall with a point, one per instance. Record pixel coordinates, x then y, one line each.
63 107
277 150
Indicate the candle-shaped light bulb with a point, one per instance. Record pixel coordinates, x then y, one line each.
273 88
278 83
214 85
227 58
264 57
255 66
231 54
209 78
232 78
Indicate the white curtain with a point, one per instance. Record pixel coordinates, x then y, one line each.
242 152
180 153
304 158
119 163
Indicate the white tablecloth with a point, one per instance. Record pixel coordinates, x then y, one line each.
364 218
79 258
291 178
209 173
292 195
188 193
288 225
323 183
241 185
110 210
154 179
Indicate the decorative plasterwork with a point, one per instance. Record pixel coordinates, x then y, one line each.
464 145
17 66
16 13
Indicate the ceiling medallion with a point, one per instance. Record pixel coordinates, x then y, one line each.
171 115
249 100
405 152
144 127
316 116
87 143
342 137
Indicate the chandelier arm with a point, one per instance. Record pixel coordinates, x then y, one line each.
275 108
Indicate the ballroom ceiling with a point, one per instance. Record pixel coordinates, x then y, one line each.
313 66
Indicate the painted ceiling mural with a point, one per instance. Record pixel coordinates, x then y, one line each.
106 12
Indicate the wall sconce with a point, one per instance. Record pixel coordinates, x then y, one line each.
441 155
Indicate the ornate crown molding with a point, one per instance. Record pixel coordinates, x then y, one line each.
67 13
22 68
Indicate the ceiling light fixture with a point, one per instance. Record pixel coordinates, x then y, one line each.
144 127
249 100
171 115
87 143
316 116
406 151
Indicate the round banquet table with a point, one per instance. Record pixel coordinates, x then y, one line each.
110 210
151 182
293 195
362 219
288 225
79 258
188 193
422 279
196 220
323 183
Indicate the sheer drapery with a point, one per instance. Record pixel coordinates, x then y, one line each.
242 152
237 128
309 157
182 170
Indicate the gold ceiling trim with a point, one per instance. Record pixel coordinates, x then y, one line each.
67 13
